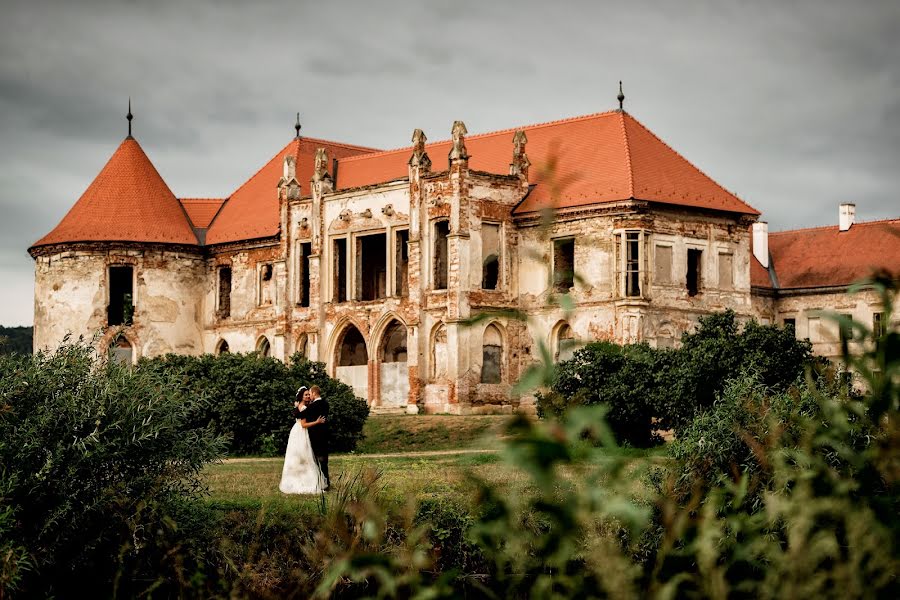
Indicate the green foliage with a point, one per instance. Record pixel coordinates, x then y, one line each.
92 454
625 378
251 398
650 389
16 340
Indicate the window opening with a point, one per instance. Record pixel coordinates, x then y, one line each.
371 266
401 262
441 255
726 271
565 343
265 284
878 324
340 270
305 251
395 343
632 264
222 347
121 296
792 323
845 329
663 265
564 264
693 271
490 256
491 354
122 352
353 349
263 346
224 292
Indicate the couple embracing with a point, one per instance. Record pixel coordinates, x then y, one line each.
306 459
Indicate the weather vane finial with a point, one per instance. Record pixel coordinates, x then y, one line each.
297 126
621 96
129 116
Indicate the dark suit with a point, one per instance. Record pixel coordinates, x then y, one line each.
318 434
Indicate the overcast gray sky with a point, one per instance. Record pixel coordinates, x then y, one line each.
794 106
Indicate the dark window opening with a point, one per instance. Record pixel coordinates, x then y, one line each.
224 292
340 270
490 253
394 344
401 262
223 348
845 328
693 271
441 252
305 251
121 296
877 324
564 264
491 356
792 323
353 349
632 264
265 284
371 266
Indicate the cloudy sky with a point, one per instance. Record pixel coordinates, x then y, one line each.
795 106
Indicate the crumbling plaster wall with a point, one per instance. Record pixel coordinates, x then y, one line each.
71 297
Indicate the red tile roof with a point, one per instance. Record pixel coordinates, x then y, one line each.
201 211
127 201
826 256
251 212
592 159
759 275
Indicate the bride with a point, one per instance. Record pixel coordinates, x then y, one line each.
301 474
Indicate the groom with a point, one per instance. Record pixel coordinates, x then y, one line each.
318 432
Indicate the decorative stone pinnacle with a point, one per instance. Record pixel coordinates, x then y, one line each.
520 162
419 157
320 171
458 133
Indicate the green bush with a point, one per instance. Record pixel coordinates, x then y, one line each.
251 398
93 454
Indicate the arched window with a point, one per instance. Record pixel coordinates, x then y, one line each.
564 343
394 343
263 346
222 347
302 347
492 355
352 352
121 351
438 355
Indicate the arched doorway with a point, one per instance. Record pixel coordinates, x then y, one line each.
122 352
352 361
263 346
564 343
393 373
222 347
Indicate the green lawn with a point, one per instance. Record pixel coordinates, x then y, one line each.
417 433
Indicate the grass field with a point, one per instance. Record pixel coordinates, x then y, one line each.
415 433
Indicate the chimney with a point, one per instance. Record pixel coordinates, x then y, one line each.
847 215
761 242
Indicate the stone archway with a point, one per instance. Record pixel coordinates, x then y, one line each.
393 373
352 361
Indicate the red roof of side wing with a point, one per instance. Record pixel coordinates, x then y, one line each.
593 159
252 210
128 201
826 256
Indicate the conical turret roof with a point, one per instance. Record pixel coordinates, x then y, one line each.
127 202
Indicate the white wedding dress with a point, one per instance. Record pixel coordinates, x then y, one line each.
301 474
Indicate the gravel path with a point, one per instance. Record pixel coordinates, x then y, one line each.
389 455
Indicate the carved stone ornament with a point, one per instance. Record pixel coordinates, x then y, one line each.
346 214
458 133
419 157
366 214
321 165
388 210
520 162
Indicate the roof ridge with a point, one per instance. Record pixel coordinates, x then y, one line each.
486 134
836 226
627 155
682 157
341 144
198 199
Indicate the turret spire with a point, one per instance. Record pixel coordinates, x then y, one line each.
297 126
129 116
621 97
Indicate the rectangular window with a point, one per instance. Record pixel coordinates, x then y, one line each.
266 273
441 255
878 324
401 263
120 310
792 323
694 265
814 330
371 266
224 310
339 270
490 256
726 271
564 264
632 263
305 251
662 265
